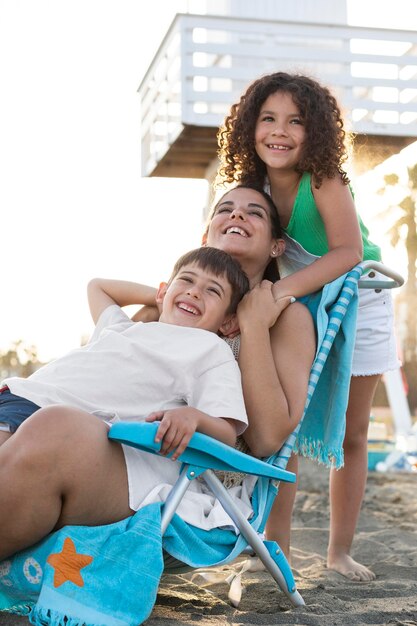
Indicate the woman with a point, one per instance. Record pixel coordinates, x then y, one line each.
275 357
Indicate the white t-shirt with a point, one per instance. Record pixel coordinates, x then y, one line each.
126 371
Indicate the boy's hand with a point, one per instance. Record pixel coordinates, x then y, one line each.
146 314
230 328
231 334
176 429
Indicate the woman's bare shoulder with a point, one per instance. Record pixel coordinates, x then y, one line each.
294 329
297 314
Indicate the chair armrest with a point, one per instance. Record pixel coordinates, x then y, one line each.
396 279
202 451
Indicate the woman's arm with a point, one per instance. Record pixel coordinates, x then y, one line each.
103 292
275 366
336 207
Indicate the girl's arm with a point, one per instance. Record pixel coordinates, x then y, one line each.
275 366
337 210
103 292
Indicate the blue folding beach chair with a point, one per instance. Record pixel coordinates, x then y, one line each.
204 454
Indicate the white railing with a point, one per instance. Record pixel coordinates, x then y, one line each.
204 63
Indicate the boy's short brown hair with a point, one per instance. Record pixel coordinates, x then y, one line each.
220 263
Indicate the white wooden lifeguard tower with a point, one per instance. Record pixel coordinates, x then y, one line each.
206 61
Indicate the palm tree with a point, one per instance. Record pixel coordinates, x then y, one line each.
404 230
19 360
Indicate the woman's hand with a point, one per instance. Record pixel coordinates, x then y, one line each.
259 306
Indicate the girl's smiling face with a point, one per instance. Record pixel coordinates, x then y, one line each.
279 132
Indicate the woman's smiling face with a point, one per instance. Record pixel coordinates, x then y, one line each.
241 225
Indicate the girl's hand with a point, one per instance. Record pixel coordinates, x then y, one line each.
176 429
259 306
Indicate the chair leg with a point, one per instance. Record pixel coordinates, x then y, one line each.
268 552
174 498
279 560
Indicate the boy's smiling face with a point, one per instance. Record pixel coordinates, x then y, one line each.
195 297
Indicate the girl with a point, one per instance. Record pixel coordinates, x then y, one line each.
286 134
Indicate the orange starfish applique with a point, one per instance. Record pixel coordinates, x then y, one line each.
68 564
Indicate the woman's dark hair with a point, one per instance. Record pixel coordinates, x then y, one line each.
219 263
324 150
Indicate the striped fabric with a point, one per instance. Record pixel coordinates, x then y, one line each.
337 314
265 490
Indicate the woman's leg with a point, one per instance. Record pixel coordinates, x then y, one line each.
347 485
59 468
278 526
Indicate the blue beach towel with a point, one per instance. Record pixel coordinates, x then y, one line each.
322 431
105 575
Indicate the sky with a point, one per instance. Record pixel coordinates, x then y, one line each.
73 204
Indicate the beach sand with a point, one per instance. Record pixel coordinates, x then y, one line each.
386 541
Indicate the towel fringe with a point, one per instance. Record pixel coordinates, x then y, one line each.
316 451
41 616
19 609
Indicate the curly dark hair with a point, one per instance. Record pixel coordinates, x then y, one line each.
325 148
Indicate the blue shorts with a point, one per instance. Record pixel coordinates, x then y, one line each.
14 410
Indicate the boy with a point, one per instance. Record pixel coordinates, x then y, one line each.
172 370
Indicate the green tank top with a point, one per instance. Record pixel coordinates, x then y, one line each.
307 227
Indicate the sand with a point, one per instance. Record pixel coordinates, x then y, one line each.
386 541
